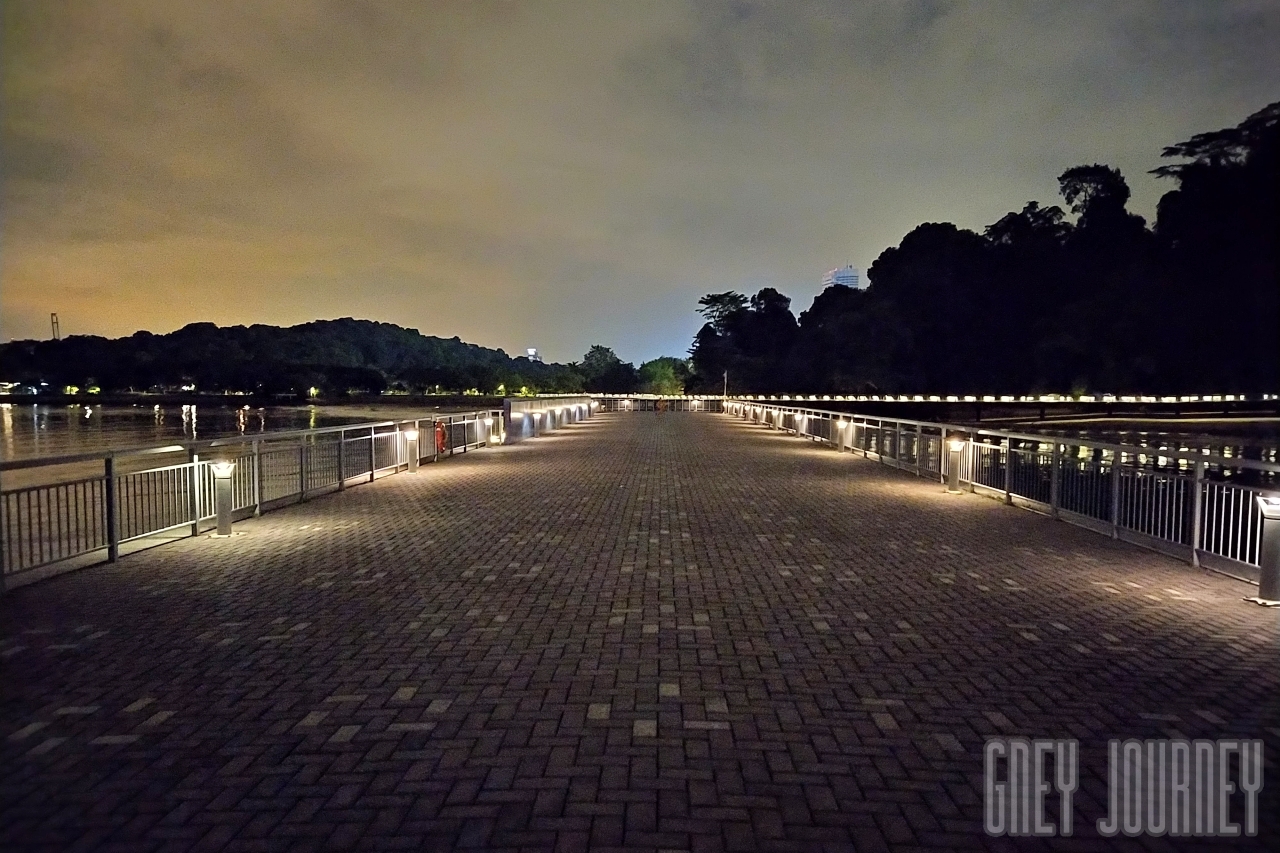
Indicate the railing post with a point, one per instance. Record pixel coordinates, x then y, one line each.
373 454
1117 458
1197 507
1008 471
4 525
302 470
257 479
897 439
342 459
193 459
113 522
1054 478
916 448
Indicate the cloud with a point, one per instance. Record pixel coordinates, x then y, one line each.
558 174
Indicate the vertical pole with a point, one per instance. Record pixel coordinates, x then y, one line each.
257 479
302 470
193 496
4 525
373 455
342 459
222 503
1116 459
897 438
1008 471
1197 506
953 467
1055 461
113 523
942 455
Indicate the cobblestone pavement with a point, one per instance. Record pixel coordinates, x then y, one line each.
670 631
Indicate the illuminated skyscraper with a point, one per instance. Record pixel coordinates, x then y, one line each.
847 276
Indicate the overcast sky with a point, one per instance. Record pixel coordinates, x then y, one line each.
557 174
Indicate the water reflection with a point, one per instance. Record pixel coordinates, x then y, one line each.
43 430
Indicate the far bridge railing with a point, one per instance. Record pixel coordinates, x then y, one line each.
658 402
1194 504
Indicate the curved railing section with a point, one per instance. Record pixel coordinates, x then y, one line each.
1193 504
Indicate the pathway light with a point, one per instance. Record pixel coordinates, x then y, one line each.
1269 551
955 444
222 471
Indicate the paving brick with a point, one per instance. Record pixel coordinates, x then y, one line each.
722 638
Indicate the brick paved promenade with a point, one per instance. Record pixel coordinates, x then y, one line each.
647 631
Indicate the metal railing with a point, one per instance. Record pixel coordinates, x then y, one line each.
1192 504
88 507
650 402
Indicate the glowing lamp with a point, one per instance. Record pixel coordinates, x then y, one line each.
223 470
1269 506
411 434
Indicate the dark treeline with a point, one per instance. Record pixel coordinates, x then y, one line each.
1040 302
333 357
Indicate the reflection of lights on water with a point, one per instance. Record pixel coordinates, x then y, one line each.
189 419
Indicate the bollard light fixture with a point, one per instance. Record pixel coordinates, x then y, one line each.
222 497
1269 552
955 444
411 439
488 422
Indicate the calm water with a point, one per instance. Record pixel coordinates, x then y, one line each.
28 431
1241 439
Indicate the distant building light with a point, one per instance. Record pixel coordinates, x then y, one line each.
846 276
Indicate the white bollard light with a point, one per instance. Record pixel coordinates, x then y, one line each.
955 446
222 472
411 437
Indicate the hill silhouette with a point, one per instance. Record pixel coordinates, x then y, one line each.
332 356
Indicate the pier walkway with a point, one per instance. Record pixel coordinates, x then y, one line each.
651 632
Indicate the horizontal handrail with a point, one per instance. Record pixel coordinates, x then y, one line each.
969 429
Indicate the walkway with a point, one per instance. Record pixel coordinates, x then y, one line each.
668 631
